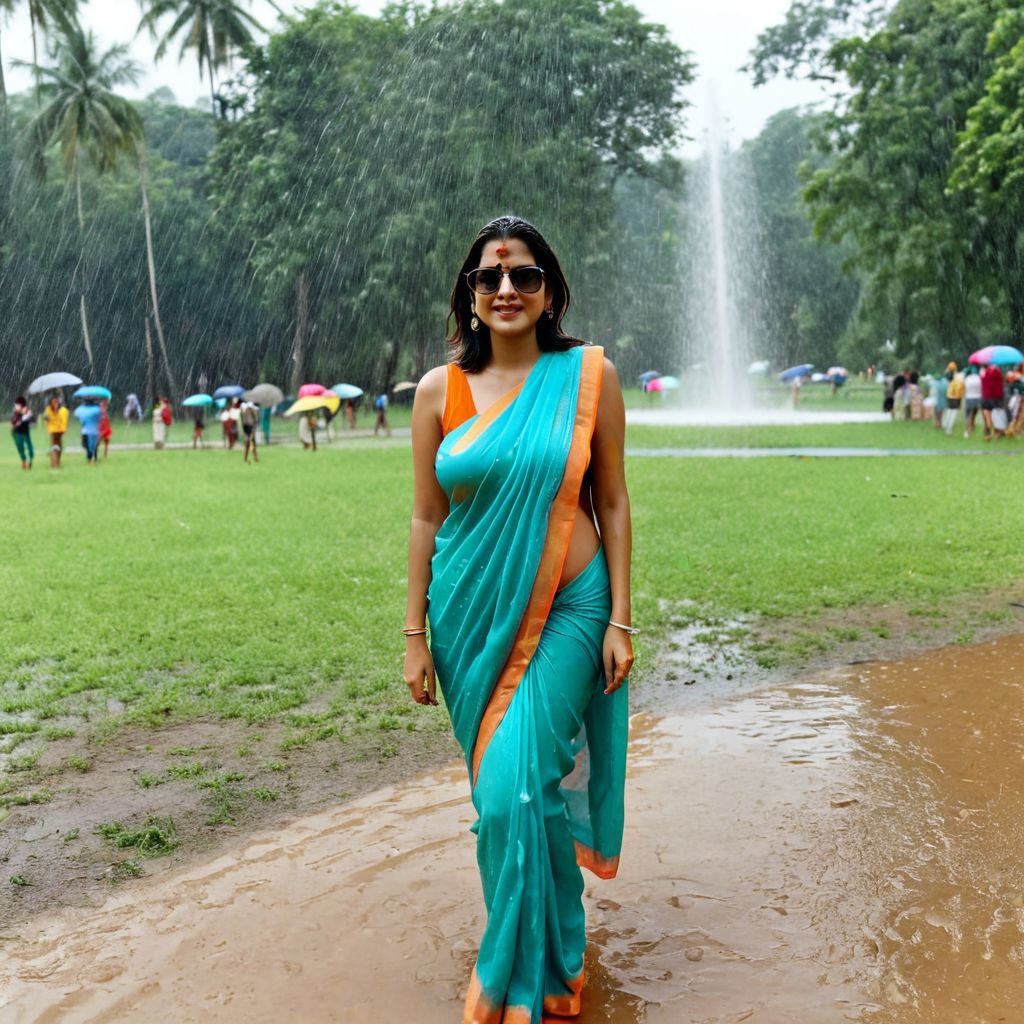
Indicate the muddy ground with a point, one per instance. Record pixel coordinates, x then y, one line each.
64 852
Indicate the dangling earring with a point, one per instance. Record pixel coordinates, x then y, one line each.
551 313
474 324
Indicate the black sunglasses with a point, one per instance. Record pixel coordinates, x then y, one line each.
487 280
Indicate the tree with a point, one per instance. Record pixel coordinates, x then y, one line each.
889 144
84 116
214 28
361 164
989 163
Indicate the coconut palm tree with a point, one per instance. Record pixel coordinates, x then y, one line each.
40 13
85 117
213 28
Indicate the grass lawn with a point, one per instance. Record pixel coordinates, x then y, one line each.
178 589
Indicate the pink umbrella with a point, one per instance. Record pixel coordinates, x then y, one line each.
311 389
654 385
982 357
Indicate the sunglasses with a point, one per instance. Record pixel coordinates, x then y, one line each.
487 280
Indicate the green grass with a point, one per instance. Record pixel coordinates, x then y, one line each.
916 435
163 587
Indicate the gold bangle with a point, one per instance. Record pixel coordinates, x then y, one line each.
415 631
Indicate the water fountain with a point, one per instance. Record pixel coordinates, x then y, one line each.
725 302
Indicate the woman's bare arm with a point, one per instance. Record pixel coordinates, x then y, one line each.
429 509
611 507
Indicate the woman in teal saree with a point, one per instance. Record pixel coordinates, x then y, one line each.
519 558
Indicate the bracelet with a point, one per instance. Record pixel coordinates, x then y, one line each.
415 631
631 630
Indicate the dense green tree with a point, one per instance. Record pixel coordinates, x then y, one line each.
907 87
369 147
989 163
807 299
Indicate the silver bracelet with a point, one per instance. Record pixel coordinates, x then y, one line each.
631 630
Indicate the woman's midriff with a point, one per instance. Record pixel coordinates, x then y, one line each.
583 542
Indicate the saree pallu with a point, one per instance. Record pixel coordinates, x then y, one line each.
519 663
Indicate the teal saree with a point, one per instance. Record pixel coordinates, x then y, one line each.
519 663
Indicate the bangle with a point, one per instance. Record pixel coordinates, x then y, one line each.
415 631
631 630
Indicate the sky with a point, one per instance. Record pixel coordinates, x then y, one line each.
719 35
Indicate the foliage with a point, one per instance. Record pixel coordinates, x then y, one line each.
936 277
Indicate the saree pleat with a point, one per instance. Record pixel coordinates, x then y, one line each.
519 665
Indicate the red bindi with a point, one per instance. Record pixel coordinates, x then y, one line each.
502 250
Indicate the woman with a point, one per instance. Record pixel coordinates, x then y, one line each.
520 554
106 430
161 421
21 423
972 399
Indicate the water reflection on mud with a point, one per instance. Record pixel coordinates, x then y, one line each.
842 850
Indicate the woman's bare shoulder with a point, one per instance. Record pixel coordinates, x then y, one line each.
431 389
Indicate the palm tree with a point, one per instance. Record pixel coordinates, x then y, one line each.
214 28
85 117
40 13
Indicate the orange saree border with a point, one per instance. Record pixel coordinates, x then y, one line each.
480 1010
556 546
603 867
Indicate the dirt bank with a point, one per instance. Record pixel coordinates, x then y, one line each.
841 848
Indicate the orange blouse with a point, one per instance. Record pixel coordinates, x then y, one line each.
458 400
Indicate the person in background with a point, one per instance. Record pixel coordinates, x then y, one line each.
381 405
161 421
992 397
350 413
198 426
89 415
915 397
133 409
1015 403
900 409
954 397
106 430
249 416
939 392
229 420
972 399
56 417
265 417
307 430
21 422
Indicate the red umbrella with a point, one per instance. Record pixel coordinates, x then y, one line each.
311 389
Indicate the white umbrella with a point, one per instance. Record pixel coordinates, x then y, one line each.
52 381
403 385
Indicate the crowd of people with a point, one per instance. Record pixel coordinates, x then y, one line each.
997 396
237 417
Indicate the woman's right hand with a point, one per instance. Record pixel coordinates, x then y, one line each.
419 671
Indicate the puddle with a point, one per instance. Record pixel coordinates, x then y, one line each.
846 849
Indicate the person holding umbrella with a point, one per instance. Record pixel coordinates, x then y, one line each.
89 415
249 416
21 422
56 418
992 397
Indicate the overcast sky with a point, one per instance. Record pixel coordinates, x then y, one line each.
719 35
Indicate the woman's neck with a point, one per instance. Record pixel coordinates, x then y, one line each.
514 355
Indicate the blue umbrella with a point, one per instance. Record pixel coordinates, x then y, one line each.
93 391
199 399
649 375
51 381
803 370
229 391
347 390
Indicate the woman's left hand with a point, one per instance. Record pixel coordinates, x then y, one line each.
618 657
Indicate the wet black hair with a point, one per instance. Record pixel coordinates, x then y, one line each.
20 400
472 349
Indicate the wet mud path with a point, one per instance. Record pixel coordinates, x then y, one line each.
841 849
